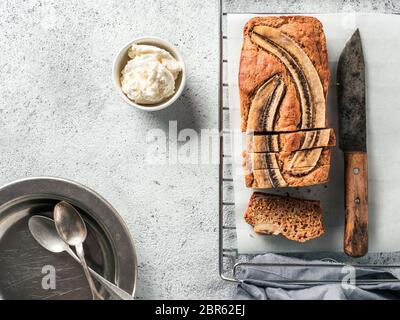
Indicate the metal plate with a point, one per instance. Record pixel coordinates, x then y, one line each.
24 264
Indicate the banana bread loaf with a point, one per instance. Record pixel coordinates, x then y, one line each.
283 74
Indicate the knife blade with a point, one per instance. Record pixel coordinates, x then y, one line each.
353 142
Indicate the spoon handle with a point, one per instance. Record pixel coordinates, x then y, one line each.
96 295
114 291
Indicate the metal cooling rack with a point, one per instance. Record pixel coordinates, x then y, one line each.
230 261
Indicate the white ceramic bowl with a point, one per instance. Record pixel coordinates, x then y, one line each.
122 58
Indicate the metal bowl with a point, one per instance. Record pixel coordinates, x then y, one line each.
26 268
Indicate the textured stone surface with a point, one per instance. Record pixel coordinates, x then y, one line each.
60 116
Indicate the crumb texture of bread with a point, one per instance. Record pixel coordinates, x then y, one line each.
295 219
257 66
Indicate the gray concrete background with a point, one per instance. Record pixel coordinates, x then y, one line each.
60 116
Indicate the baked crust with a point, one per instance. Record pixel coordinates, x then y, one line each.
257 66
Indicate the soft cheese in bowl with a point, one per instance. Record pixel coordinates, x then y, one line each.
149 73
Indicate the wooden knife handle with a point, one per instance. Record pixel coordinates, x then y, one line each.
356 201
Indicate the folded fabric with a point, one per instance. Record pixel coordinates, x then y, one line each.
258 282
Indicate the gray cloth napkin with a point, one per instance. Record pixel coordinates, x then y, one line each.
257 282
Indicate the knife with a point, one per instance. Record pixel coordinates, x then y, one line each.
353 142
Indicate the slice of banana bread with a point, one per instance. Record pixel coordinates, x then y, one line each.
305 160
275 178
295 219
292 141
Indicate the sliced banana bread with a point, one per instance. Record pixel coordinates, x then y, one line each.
296 219
292 141
304 160
275 178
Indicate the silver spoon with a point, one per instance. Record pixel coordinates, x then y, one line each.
45 233
72 229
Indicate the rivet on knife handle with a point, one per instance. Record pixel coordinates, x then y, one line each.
356 224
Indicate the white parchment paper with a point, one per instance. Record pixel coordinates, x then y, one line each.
381 43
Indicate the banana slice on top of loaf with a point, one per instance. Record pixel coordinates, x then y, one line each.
291 141
283 74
